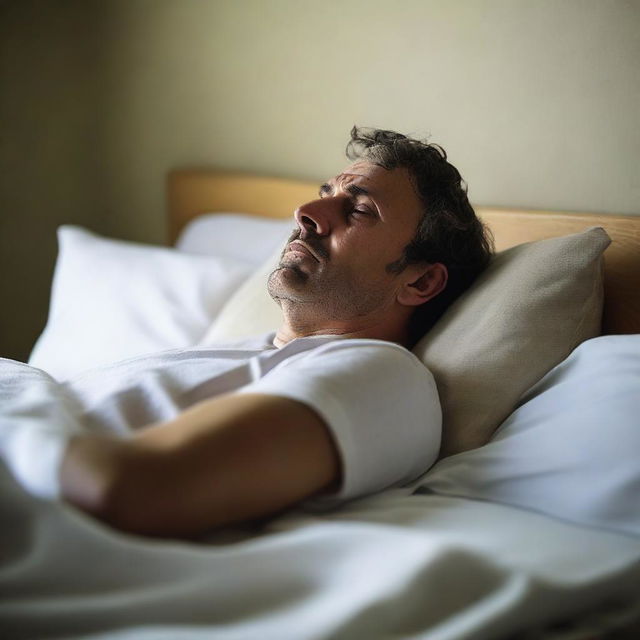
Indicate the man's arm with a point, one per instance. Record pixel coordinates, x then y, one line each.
225 460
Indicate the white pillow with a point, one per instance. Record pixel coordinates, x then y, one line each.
235 235
572 447
113 300
251 310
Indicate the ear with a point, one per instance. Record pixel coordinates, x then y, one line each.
426 282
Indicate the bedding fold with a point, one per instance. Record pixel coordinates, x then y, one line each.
37 419
386 566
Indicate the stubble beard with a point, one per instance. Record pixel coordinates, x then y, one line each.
320 294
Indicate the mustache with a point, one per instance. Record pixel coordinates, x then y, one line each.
312 239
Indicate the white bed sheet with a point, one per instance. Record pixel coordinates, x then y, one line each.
388 566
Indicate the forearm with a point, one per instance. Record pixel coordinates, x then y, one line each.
229 459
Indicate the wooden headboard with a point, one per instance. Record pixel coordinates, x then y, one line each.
192 192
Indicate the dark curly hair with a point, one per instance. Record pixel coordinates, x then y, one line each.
449 231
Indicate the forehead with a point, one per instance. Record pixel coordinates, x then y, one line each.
392 183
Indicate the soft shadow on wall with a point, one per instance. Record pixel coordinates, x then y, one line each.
52 150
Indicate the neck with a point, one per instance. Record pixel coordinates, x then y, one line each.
391 331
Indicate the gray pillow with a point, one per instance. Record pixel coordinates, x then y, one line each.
533 305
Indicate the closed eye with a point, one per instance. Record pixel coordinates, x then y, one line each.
353 205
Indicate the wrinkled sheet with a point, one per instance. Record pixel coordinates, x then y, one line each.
392 565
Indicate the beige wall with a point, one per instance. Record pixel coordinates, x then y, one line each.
536 101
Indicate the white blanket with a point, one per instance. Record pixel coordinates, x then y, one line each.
393 565
387 566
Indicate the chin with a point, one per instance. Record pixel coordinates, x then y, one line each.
285 280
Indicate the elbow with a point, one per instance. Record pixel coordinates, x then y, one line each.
96 477
108 501
132 487
117 508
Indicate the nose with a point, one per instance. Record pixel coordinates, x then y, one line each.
315 217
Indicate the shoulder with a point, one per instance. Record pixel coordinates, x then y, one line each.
355 351
364 366
379 402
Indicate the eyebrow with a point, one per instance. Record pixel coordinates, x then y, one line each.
353 189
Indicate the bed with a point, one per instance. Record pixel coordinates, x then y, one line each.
527 527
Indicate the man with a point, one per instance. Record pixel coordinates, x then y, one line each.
330 407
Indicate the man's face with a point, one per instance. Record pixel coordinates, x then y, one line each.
335 261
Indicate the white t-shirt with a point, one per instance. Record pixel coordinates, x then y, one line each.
378 400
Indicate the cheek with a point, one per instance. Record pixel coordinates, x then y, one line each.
366 269
374 245
366 255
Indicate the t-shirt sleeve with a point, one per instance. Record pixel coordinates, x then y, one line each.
380 404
